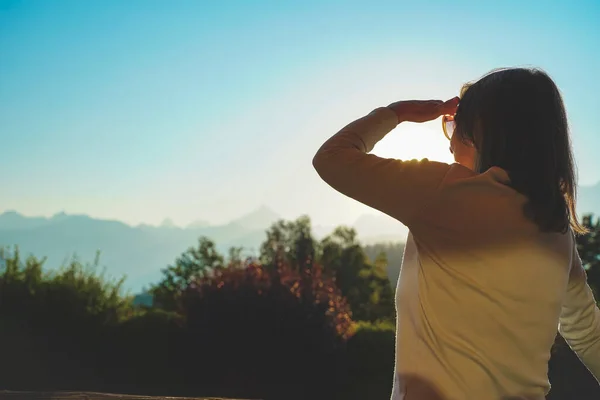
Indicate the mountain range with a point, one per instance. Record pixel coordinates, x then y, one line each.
139 252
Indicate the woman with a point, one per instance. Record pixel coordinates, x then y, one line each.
490 268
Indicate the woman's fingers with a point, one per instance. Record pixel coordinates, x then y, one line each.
449 106
423 110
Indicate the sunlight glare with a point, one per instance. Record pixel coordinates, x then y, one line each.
416 141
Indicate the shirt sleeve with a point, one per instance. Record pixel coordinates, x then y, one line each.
580 318
397 188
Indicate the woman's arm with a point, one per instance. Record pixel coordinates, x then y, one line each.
580 318
397 188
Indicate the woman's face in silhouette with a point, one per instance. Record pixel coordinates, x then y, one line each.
464 152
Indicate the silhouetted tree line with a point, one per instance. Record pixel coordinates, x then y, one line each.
304 319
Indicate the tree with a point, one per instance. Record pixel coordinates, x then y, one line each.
589 250
291 241
394 253
196 262
235 256
365 284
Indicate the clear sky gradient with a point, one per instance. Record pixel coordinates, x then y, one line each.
139 110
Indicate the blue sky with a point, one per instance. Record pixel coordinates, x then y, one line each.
140 110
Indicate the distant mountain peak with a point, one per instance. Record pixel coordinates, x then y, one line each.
265 208
168 223
261 218
11 213
11 219
60 215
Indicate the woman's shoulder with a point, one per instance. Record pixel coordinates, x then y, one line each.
467 200
458 172
463 181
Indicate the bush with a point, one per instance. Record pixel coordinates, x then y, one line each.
370 361
62 316
142 354
259 332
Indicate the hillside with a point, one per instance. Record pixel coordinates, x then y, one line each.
139 252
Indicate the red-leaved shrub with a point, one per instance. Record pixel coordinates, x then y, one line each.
261 331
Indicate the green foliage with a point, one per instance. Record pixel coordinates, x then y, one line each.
58 319
143 348
371 345
291 241
394 253
588 246
196 262
364 284
370 355
73 292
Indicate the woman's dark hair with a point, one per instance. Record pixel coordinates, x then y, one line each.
517 121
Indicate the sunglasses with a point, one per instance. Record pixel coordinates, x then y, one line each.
448 125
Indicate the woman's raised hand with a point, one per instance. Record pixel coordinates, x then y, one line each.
423 110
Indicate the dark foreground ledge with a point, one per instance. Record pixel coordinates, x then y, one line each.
10 395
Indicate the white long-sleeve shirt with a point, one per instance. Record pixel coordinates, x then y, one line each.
481 291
